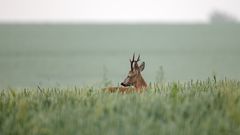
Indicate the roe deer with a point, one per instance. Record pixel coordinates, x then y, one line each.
134 78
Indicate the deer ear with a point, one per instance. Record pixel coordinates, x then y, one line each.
142 66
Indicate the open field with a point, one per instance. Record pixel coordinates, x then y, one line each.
67 55
193 107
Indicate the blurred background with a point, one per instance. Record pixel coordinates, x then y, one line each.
89 42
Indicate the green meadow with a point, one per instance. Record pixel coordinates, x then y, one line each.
52 75
208 107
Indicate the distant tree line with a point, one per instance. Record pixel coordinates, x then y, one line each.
222 17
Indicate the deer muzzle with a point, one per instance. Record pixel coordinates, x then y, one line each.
126 83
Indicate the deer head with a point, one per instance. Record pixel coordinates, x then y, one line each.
134 77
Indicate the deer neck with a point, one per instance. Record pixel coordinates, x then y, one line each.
140 83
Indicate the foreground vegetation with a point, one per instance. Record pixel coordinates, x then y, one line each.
194 107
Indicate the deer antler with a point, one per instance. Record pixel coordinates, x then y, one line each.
132 61
138 59
136 62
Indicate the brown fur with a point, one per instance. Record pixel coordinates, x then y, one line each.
134 78
140 83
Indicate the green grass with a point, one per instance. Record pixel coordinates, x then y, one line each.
194 107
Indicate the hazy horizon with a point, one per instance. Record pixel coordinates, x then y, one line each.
69 55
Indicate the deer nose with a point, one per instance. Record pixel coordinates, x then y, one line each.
125 85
